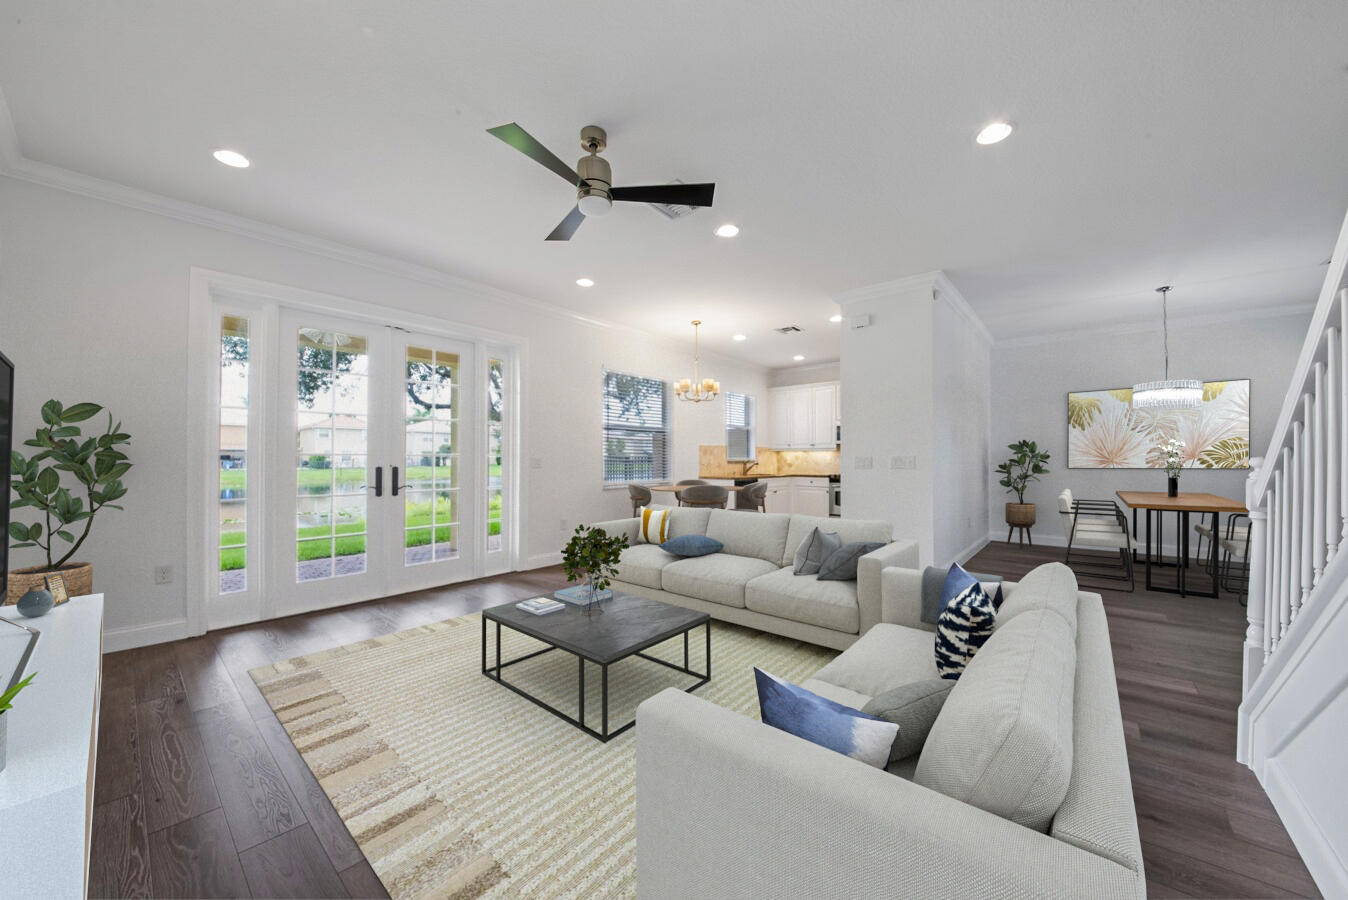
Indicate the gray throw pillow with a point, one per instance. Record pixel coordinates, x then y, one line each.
812 552
912 707
841 564
933 579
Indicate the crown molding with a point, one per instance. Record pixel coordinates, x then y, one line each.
949 294
14 164
1141 327
924 280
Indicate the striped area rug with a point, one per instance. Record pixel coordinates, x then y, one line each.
454 786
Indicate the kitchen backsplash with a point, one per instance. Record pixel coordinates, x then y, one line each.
712 463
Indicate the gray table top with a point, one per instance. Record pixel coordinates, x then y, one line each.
619 627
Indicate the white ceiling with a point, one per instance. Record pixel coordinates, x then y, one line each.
1199 144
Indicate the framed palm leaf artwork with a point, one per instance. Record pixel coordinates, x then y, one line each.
1105 432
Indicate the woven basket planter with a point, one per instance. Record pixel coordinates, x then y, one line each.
79 578
1020 515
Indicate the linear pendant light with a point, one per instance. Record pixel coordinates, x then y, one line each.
1170 393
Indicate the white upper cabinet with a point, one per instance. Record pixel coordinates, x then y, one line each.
804 416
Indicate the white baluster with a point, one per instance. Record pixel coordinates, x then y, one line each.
1271 576
1256 636
1317 470
1307 488
1295 492
1285 544
1333 462
1343 414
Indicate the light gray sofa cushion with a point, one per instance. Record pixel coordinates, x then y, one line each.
759 535
718 578
804 598
849 531
1050 586
1003 741
841 564
688 520
641 564
812 552
887 656
914 708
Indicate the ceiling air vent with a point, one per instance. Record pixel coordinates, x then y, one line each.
788 329
672 211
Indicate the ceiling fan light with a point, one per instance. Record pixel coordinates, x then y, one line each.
594 204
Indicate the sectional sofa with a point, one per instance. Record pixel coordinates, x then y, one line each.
1021 789
750 582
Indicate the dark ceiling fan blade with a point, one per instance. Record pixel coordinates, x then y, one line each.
669 194
568 226
525 143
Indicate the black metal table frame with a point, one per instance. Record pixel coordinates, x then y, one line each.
604 735
1182 551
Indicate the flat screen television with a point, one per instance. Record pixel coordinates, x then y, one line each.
6 445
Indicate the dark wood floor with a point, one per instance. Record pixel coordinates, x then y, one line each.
200 793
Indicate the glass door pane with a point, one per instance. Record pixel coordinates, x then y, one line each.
332 408
495 469
431 438
232 450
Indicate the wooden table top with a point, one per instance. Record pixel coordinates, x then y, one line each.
1185 502
675 488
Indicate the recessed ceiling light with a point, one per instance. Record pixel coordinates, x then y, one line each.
727 230
739 337
585 282
836 317
797 357
232 158
994 132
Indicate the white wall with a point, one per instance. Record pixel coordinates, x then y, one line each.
961 364
93 306
830 371
1032 377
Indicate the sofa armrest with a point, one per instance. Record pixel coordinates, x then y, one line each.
619 527
729 807
901 597
869 568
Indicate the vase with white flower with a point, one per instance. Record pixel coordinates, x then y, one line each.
1172 457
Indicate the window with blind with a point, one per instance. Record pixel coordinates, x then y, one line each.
739 427
636 428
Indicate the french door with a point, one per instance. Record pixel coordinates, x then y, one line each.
374 460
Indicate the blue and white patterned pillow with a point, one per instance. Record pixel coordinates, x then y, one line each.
964 626
819 720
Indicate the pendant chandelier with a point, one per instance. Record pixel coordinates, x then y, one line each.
1170 393
696 389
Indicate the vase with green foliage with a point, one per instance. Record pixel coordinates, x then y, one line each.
592 555
1026 465
66 481
6 704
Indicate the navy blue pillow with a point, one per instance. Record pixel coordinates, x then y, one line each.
819 720
957 581
686 545
965 623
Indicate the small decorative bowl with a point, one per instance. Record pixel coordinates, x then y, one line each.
36 603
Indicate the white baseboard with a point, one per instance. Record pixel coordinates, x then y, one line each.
969 552
1315 846
131 636
543 560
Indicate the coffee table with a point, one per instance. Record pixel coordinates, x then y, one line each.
616 629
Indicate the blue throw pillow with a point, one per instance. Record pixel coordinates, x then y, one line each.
691 545
964 625
821 721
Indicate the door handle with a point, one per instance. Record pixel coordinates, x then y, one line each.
394 484
379 481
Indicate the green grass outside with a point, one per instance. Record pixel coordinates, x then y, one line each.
350 536
317 480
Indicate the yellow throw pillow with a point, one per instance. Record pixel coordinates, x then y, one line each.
654 526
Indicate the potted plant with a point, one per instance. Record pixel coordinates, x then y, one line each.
7 703
1172 457
1025 466
592 555
95 463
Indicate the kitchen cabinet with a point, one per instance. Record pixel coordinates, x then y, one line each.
804 416
778 497
803 495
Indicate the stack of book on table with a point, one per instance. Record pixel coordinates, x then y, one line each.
540 606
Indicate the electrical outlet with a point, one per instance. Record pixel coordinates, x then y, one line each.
535 462
163 574
903 462
863 462
565 526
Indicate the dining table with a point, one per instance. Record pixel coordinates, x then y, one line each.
1184 505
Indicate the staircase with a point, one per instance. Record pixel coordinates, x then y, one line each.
1294 709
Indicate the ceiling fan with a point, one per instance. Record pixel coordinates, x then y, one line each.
594 181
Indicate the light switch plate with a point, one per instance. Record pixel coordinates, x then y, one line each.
863 462
903 462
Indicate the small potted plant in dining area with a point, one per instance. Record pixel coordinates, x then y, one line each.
592 556
1172 457
1026 464
62 453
